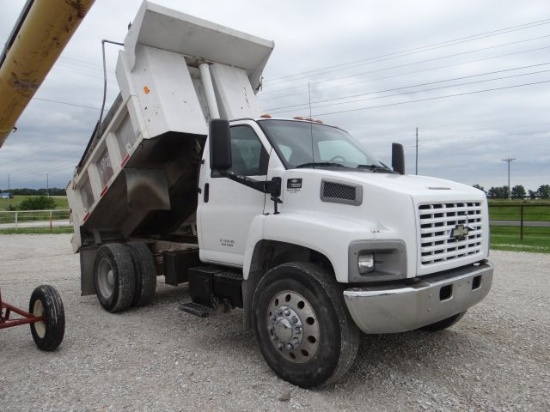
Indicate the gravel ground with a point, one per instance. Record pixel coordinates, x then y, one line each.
158 358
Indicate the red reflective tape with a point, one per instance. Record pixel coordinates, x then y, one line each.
86 216
104 191
125 160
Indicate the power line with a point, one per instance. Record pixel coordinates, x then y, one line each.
418 49
427 61
418 85
41 173
66 103
432 98
425 90
456 78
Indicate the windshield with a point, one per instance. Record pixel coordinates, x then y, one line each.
308 144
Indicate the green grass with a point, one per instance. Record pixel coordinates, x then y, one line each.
536 210
535 239
37 230
33 216
60 202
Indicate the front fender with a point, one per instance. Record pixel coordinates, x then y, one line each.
328 235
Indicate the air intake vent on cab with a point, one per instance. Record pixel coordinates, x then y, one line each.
335 192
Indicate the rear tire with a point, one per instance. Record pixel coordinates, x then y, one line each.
146 273
443 324
302 325
47 333
114 277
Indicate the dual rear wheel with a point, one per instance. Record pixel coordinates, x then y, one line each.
124 276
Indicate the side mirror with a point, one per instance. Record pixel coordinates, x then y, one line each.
220 145
398 158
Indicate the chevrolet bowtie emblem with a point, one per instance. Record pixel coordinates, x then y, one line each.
460 232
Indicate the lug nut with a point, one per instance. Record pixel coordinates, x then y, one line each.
294 320
287 312
297 330
290 346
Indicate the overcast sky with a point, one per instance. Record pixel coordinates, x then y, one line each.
473 76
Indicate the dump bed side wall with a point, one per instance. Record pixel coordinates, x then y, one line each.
138 176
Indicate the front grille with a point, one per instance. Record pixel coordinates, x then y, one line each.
443 228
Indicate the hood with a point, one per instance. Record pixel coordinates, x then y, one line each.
416 186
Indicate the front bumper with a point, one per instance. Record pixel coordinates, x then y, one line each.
401 308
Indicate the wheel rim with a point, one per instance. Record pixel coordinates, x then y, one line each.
40 326
293 326
105 279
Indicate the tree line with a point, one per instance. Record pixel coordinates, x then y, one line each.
52 191
40 198
518 192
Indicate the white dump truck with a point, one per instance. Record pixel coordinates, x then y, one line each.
292 220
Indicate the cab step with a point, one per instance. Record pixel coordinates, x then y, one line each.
196 309
212 286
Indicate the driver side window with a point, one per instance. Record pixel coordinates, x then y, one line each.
248 154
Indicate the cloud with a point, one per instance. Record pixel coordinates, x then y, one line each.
341 49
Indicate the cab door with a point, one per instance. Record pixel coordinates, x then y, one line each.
226 208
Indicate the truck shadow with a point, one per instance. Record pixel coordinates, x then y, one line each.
404 357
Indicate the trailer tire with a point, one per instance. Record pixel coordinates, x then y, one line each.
146 273
114 277
302 325
443 324
48 333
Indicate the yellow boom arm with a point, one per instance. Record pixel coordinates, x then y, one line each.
43 30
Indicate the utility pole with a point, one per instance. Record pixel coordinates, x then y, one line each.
509 160
47 185
9 184
417 150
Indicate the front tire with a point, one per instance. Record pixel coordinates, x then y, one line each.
114 277
302 325
47 333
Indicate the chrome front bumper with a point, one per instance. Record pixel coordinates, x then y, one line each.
379 309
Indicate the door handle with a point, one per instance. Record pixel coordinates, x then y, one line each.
206 192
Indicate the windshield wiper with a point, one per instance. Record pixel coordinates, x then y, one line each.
319 164
376 168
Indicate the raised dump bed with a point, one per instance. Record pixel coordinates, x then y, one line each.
138 176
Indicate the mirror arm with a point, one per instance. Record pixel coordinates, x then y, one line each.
271 187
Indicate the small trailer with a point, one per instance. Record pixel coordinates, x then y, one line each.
46 317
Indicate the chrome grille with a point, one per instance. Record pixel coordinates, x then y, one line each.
439 222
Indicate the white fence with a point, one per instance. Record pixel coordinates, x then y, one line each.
34 218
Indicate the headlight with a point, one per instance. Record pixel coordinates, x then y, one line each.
365 263
378 260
